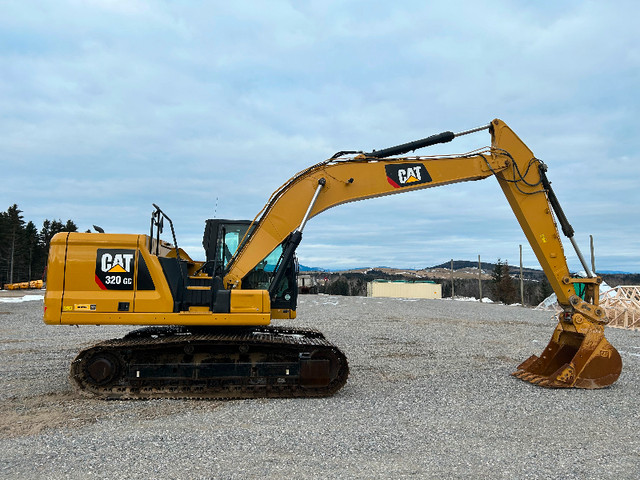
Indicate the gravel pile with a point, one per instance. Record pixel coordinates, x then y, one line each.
429 396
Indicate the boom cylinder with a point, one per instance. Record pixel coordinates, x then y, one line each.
443 137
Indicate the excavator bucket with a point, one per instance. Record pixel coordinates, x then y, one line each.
578 356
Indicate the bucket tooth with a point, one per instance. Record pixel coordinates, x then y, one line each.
536 380
527 377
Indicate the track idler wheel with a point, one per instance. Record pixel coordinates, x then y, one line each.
319 368
101 368
578 356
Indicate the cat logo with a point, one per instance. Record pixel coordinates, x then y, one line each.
407 174
114 268
116 263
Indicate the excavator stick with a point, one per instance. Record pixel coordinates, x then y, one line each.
577 356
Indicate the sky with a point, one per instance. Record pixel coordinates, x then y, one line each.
206 108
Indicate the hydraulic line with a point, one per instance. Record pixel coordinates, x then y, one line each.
567 229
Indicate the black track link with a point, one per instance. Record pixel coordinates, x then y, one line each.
211 363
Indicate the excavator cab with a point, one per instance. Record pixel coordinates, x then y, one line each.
222 239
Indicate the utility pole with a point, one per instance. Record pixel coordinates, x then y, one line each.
593 257
452 292
480 277
521 280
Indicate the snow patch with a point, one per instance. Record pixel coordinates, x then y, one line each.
26 298
469 299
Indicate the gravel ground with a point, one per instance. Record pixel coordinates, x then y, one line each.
429 396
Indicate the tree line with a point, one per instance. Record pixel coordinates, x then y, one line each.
23 247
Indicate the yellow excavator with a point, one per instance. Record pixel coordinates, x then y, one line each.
206 325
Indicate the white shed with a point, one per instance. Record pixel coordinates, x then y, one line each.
404 289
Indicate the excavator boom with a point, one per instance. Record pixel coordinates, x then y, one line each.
578 354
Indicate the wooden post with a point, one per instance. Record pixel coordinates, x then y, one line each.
521 279
480 277
452 291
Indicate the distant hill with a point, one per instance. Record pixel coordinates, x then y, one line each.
486 266
457 264
615 279
611 277
304 268
464 269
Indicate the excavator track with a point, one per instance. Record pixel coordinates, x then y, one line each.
213 363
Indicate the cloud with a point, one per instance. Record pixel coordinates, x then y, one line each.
108 106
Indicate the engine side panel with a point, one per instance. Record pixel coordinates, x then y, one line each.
112 279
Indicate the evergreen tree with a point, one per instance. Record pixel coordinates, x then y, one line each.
48 231
70 227
4 247
504 289
339 287
32 244
24 250
50 228
14 247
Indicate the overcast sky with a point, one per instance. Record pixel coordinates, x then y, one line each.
205 108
